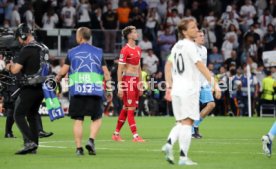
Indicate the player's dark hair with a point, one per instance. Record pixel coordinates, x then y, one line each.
85 33
127 30
183 26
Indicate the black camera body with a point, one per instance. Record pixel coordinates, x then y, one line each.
9 46
9 49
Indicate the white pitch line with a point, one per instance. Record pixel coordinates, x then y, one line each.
220 142
157 150
44 146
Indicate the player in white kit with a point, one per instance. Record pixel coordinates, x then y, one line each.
183 86
206 96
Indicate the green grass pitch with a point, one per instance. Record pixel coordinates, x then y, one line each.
228 143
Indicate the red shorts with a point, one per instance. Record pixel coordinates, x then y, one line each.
130 91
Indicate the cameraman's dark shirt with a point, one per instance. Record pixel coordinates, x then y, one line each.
29 58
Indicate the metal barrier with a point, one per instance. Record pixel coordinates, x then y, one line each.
60 41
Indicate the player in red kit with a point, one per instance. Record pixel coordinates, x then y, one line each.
129 85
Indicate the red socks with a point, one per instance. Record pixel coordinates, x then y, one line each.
121 120
129 114
131 121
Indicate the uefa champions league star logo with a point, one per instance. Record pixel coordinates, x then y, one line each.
83 57
50 84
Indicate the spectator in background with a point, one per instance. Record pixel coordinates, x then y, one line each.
259 31
165 42
253 65
151 61
221 104
260 74
227 47
162 9
29 17
123 15
211 68
96 25
145 45
251 32
39 7
268 90
15 17
117 102
229 16
114 4
209 35
265 19
211 19
196 12
75 3
188 14
152 3
233 60
142 5
231 21
68 15
110 24
247 13
235 90
173 20
8 11
152 23
50 19
254 90
137 18
216 59
261 6
83 10
233 31
180 4
269 39
250 47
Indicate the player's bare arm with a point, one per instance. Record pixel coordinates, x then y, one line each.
121 68
107 78
141 87
168 78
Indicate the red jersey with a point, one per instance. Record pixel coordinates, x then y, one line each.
130 55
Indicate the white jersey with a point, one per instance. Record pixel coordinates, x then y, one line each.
202 51
185 75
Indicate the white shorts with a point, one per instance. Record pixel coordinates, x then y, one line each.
186 107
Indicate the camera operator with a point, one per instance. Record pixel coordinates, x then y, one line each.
31 95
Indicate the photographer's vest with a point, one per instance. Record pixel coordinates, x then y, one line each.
86 74
245 88
44 70
268 90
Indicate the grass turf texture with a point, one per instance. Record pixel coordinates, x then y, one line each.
227 143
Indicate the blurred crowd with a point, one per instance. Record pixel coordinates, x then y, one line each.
237 32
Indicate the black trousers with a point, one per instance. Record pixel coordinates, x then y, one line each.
9 120
26 112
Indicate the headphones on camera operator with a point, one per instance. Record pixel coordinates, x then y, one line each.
23 31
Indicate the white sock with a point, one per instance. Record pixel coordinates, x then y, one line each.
135 135
185 137
174 135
